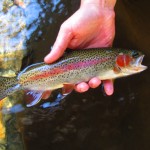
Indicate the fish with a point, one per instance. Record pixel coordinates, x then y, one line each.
72 68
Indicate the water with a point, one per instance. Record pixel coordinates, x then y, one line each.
92 121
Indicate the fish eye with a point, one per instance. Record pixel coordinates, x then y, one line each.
135 54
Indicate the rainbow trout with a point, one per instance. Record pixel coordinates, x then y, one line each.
74 67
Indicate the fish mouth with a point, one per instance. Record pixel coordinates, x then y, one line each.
138 64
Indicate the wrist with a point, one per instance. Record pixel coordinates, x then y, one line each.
110 4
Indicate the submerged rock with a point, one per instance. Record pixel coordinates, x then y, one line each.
18 20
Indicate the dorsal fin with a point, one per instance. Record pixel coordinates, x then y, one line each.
33 66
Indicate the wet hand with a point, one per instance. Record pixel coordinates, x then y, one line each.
89 27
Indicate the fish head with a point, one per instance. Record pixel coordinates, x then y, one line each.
130 63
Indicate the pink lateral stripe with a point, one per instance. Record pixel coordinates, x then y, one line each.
68 67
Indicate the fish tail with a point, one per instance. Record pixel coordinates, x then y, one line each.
8 85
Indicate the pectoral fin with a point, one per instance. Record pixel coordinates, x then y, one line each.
117 69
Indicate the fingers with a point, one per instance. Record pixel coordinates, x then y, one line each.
108 87
60 45
94 83
83 87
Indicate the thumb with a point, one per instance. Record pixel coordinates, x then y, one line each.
60 45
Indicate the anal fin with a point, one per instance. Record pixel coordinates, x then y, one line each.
33 97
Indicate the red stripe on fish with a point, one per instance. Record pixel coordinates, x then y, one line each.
72 66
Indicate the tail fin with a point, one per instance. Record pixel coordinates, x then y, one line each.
8 85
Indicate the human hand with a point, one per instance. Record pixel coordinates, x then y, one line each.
89 27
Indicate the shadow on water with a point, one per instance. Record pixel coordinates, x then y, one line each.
91 120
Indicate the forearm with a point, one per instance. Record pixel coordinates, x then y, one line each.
102 3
